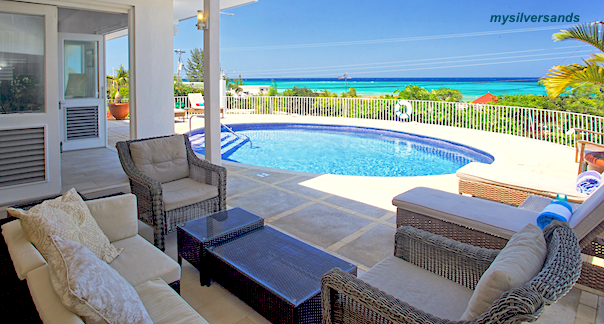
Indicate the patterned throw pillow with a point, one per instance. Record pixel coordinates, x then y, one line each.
90 288
68 217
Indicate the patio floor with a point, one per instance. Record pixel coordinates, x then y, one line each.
350 217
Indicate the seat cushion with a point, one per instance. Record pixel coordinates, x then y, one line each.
141 261
162 159
68 217
588 215
90 288
483 215
165 305
419 288
542 184
186 192
24 255
518 262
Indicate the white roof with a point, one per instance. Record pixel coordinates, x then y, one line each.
185 9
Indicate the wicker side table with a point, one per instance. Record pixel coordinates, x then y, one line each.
196 236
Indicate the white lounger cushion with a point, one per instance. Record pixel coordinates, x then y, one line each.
483 215
141 261
541 184
420 288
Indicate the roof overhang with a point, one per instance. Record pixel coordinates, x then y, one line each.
185 9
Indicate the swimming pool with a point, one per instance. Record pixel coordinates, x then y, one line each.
344 150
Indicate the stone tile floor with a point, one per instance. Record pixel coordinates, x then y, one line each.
350 217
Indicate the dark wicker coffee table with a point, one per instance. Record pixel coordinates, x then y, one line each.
197 235
276 274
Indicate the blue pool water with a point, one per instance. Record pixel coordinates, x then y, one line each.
343 150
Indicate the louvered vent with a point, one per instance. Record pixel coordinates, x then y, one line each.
82 123
21 156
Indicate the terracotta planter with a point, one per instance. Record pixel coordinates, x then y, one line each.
119 110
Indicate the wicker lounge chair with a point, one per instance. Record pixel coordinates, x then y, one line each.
346 299
172 185
490 224
513 186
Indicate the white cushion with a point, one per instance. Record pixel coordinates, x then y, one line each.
49 306
141 261
186 192
483 215
165 305
542 184
68 217
162 159
588 215
419 288
24 255
90 288
518 262
117 216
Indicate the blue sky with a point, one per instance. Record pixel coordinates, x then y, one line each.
390 38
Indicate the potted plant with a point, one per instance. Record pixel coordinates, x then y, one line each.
119 109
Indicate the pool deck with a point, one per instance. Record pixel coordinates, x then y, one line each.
349 216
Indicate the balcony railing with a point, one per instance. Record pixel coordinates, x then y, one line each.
541 124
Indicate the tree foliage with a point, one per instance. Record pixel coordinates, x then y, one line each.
118 84
415 92
560 77
194 67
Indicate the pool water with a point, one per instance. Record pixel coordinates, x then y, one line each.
345 150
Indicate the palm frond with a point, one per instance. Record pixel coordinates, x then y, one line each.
591 33
561 77
596 58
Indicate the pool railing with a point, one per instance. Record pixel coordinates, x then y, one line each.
541 124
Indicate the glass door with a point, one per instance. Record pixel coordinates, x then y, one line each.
30 160
81 93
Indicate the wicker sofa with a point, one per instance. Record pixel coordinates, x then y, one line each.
171 183
448 271
145 267
490 224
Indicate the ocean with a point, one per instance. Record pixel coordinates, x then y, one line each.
471 88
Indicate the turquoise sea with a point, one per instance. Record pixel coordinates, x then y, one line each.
471 88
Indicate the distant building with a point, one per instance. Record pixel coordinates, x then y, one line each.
251 90
488 97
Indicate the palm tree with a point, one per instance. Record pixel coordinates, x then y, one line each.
119 79
561 77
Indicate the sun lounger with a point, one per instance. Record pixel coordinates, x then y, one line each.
490 224
197 105
513 186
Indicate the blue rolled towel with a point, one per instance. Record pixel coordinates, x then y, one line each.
556 210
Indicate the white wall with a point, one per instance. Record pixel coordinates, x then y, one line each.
151 77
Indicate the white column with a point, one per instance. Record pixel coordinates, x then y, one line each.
211 80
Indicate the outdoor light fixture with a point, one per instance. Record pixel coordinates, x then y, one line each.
202 22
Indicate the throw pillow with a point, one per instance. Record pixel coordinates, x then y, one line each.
68 217
518 262
90 288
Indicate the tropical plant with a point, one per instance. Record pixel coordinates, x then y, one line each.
114 82
194 68
560 77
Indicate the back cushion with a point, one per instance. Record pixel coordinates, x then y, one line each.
589 214
518 262
162 159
